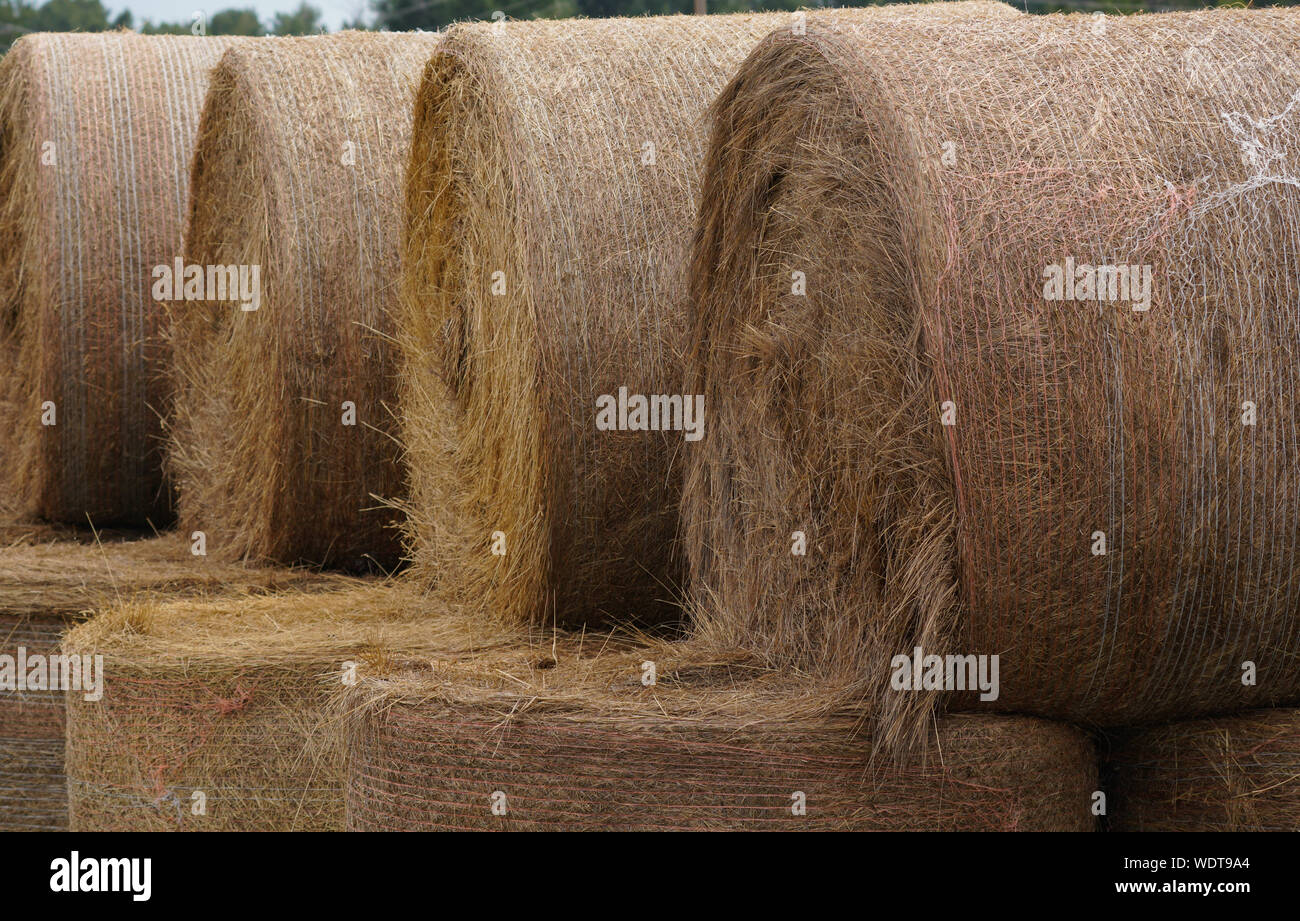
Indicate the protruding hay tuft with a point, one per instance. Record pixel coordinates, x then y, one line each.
297 171
550 194
922 180
229 699
1236 773
96 133
573 738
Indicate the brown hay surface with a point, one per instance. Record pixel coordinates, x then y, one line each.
1132 146
299 160
231 697
33 795
79 237
529 160
32 713
1238 773
574 740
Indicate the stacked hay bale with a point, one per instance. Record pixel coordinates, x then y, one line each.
583 735
1237 773
922 434
551 187
96 133
48 585
282 441
215 714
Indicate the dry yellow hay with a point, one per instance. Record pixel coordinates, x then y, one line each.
95 139
571 737
282 443
230 699
550 194
1236 773
929 183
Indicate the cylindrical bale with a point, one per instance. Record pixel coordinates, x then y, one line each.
282 440
96 133
550 194
917 438
1235 773
575 741
215 715
51 580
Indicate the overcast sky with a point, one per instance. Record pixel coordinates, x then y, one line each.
335 11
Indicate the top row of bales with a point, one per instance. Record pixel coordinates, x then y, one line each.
118 354
882 195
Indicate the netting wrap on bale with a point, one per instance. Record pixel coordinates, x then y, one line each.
574 737
96 133
1236 773
550 193
924 434
282 443
215 715
33 795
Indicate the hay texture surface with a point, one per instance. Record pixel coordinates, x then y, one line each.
1239 773
229 699
923 180
96 133
570 738
33 795
549 198
282 445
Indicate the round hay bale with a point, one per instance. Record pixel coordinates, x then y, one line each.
1236 773
46 588
33 795
876 263
549 198
96 133
571 738
215 714
282 443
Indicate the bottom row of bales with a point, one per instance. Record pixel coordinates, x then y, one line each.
50 577
273 712
362 709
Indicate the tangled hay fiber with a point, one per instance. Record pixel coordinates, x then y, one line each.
229 699
568 737
927 187
550 192
33 795
1237 773
282 444
96 133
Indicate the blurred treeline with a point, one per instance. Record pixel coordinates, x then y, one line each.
18 17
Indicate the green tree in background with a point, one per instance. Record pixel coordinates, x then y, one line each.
305 20
402 15
235 22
